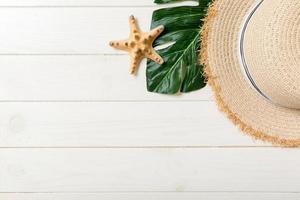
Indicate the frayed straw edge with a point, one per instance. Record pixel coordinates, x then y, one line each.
223 106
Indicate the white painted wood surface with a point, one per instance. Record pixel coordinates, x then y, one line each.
124 124
151 170
75 125
78 78
82 3
154 196
61 30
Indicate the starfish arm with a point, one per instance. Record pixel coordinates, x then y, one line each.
120 44
153 55
134 27
135 62
153 34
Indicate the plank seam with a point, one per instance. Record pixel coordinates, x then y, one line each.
62 54
102 101
132 192
81 6
144 147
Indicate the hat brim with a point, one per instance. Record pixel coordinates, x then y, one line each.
249 110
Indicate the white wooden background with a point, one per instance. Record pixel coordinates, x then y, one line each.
74 125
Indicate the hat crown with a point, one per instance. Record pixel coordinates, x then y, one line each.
272 51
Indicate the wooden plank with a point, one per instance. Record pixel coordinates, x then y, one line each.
116 3
150 170
128 124
66 30
154 196
78 78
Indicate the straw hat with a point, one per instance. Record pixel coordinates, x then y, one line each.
251 54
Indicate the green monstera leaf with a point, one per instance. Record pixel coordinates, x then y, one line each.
181 71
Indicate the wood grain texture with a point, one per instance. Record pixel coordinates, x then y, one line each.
78 78
66 30
83 3
149 170
136 124
156 196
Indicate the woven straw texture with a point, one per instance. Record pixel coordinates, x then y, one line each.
272 52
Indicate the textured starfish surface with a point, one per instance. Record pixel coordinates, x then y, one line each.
139 45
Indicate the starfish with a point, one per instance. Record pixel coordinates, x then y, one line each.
139 44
